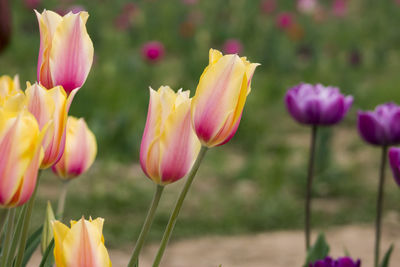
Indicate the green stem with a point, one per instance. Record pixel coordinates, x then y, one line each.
146 226
379 205
310 176
16 237
61 200
46 254
25 225
178 206
9 232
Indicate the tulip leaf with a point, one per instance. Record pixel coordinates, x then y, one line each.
318 251
386 258
31 245
47 259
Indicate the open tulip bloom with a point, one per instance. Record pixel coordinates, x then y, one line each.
381 127
315 105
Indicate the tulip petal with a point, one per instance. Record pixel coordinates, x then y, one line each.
394 160
370 129
72 51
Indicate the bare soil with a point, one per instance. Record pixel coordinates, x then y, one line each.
272 249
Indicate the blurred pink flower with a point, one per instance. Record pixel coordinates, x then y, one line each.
153 51
189 2
339 8
397 2
124 19
32 4
232 46
268 6
307 6
74 9
284 20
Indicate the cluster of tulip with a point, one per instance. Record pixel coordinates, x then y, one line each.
316 105
36 133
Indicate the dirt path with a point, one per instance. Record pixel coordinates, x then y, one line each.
275 249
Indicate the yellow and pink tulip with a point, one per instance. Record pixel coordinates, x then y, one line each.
21 152
169 145
66 50
220 97
50 106
80 150
82 245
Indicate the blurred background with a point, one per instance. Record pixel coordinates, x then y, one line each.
255 183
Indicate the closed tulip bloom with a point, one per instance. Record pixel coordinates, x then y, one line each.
50 106
381 126
340 262
82 245
21 153
169 145
317 104
394 160
8 88
66 50
80 150
220 97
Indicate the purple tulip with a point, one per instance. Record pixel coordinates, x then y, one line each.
317 104
381 126
394 160
340 262
153 51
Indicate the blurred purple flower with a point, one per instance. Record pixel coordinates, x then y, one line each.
32 4
355 58
307 6
317 104
153 51
394 160
339 8
284 20
340 262
268 6
381 126
5 24
232 46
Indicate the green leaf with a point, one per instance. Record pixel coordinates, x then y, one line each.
386 258
319 251
47 259
31 245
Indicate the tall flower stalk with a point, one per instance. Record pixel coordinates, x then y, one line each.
379 127
315 105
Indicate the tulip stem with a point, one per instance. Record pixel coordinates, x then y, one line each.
25 225
9 232
379 205
146 226
309 186
61 200
178 206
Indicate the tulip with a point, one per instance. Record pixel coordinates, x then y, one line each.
220 97
21 153
340 262
82 245
66 50
80 150
339 8
8 88
50 106
394 160
381 126
169 145
153 51
5 24
232 46
316 104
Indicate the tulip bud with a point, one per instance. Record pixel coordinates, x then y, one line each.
50 106
8 88
380 126
220 97
340 262
82 245
47 233
66 50
5 24
80 150
394 160
317 104
169 145
21 153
